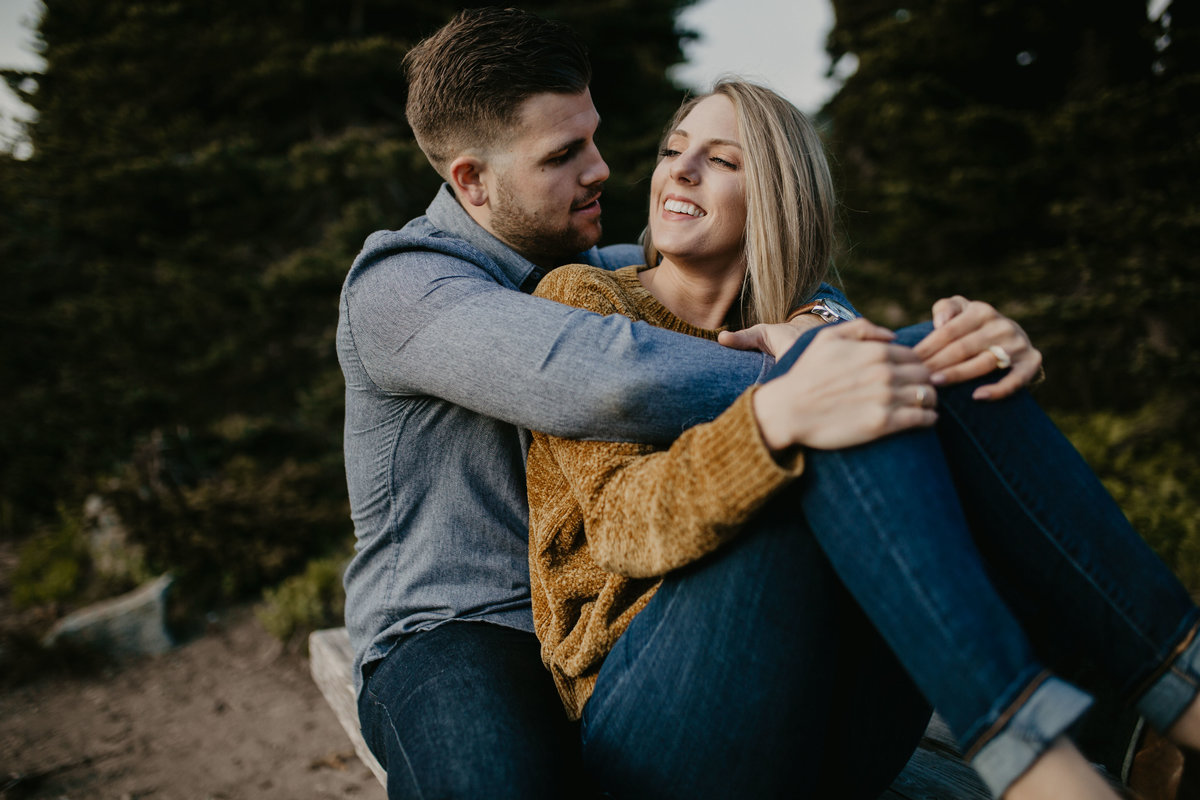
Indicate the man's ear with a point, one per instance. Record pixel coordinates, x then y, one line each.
466 178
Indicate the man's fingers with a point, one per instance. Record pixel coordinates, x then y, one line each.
747 339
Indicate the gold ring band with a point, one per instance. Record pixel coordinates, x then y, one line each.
921 393
1003 359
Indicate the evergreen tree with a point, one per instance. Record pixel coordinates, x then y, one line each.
202 175
1043 156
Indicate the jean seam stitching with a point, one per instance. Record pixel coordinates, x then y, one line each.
387 714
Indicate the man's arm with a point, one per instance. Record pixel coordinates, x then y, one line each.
432 324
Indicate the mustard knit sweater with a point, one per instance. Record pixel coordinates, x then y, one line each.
608 519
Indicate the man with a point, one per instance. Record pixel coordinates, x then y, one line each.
447 362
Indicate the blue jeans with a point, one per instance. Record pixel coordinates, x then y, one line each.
466 710
751 673
989 556
983 551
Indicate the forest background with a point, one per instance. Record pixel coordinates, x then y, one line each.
200 176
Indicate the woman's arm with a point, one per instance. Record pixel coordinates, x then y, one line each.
647 511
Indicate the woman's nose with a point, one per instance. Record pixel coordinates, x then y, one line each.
683 169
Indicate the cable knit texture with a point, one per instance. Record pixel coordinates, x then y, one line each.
608 519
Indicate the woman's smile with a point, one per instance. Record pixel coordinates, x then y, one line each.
678 206
698 192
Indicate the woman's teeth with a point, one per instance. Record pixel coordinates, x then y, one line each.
680 207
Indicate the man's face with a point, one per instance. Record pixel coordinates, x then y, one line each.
544 196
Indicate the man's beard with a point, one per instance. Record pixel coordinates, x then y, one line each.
528 235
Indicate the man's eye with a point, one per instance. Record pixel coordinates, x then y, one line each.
559 159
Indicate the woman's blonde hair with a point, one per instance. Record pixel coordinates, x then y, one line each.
790 200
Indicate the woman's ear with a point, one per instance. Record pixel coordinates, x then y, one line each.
466 178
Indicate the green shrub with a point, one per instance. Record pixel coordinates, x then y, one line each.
1149 462
230 510
52 564
306 602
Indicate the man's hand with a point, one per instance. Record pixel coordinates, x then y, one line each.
958 349
774 339
849 387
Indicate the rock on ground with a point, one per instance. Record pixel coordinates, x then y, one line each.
133 624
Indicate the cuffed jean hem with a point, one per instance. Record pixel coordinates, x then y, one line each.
1172 692
1053 707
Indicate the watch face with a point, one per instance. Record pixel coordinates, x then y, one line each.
837 308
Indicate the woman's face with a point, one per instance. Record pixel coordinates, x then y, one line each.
698 192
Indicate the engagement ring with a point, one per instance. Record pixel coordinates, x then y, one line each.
1003 359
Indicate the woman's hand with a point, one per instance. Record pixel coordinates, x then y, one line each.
774 339
971 339
849 387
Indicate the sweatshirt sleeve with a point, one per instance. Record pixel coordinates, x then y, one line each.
428 324
648 511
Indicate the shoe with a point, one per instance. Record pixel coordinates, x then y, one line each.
1163 771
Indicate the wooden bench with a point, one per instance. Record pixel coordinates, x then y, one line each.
935 772
331 659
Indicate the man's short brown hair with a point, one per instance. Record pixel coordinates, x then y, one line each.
467 81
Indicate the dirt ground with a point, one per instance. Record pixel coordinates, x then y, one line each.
228 716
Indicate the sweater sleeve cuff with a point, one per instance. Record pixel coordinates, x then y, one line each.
748 469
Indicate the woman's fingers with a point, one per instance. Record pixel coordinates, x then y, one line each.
974 341
850 386
947 308
973 356
1020 375
944 343
911 417
861 329
1000 332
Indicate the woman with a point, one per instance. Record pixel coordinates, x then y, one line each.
981 585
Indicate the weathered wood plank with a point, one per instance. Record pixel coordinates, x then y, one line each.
937 772
331 660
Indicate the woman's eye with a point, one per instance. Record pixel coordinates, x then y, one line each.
720 162
667 152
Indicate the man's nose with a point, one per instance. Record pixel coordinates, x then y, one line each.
596 170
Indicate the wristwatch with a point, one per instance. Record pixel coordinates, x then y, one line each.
827 310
